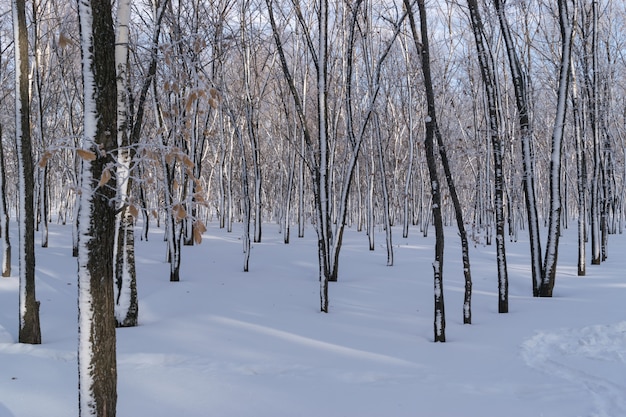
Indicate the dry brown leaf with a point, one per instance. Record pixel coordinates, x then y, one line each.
197 236
179 212
200 226
64 40
105 178
86 154
133 211
199 198
44 160
188 162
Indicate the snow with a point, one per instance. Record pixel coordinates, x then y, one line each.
228 343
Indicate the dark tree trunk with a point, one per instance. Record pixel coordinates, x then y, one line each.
429 146
4 218
29 328
97 342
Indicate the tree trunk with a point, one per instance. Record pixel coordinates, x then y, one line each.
554 221
581 176
29 328
96 347
519 78
429 146
488 76
385 192
4 217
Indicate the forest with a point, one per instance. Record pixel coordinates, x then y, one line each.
502 119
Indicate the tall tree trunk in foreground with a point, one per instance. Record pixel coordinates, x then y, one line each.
97 376
488 76
554 220
522 98
429 146
29 329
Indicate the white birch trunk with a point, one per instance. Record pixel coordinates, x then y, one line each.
554 222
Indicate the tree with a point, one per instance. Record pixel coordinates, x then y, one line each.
125 289
97 376
29 329
486 64
554 221
522 100
435 188
4 216
128 136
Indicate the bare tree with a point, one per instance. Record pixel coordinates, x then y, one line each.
487 71
429 145
554 221
522 99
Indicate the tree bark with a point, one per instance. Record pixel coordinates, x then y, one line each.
96 221
429 146
29 327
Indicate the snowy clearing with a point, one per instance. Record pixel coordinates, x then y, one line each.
227 343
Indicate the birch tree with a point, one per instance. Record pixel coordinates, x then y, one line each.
554 222
29 327
487 71
126 305
97 376
129 130
522 100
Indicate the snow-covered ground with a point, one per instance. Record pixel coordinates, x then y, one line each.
227 343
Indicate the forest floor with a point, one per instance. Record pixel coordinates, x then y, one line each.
223 342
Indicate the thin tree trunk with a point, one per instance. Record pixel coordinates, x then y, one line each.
595 120
429 145
519 78
581 177
4 217
554 221
385 192
488 76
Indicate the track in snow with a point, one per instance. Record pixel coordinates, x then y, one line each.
579 356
